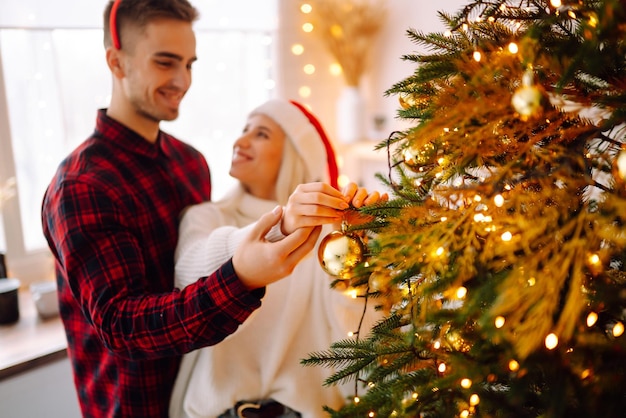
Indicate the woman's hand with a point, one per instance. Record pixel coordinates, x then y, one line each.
359 196
313 204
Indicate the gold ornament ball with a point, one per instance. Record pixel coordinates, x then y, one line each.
407 100
339 253
416 158
527 101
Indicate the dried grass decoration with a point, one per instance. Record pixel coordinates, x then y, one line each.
347 28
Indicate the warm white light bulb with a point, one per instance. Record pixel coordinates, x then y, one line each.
551 341
297 49
498 200
592 318
499 322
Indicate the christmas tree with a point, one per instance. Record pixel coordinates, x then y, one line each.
499 260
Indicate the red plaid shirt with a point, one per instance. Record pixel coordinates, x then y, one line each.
110 216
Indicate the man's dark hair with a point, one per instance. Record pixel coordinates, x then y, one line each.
139 13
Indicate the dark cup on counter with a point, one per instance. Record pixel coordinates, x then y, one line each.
9 303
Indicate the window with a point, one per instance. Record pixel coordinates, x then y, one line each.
53 78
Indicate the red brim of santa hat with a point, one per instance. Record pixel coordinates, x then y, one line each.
115 36
307 135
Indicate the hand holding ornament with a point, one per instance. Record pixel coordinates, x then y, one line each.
341 251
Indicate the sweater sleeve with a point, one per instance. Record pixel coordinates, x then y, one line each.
204 242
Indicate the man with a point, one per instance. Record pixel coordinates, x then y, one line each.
110 215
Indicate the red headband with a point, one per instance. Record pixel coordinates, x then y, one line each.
115 36
330 153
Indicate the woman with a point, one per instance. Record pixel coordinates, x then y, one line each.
283 146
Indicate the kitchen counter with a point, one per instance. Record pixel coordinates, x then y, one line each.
30 342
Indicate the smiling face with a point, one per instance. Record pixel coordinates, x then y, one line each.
152 74
257 156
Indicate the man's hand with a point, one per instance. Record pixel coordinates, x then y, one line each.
259 262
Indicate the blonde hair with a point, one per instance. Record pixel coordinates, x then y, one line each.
292 172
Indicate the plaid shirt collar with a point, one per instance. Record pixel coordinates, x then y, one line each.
124 137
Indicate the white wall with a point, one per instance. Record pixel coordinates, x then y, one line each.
388 67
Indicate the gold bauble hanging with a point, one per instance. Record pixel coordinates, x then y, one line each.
339 253
418 158
527 99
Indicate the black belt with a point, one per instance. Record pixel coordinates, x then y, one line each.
261 409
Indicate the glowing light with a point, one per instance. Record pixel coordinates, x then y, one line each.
350 334
304 91
414 395
585 374
447 34
444 218
474 400
513 365
335 69
343 180
309 69
498 200
592 318
436 345
555 3
618 329
513 48
441 367
464 413
507 236
499 322
571 14
532 281
466 383
371 414
477 198
297 49
307 27
594 259
461 292
477 56
357 399
306 8
551 341
439 251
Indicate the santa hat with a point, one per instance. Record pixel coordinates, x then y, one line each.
307 135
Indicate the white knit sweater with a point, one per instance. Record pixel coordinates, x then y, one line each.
299 315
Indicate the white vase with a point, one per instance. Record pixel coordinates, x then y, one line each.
350 115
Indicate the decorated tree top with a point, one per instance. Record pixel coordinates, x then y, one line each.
499 261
